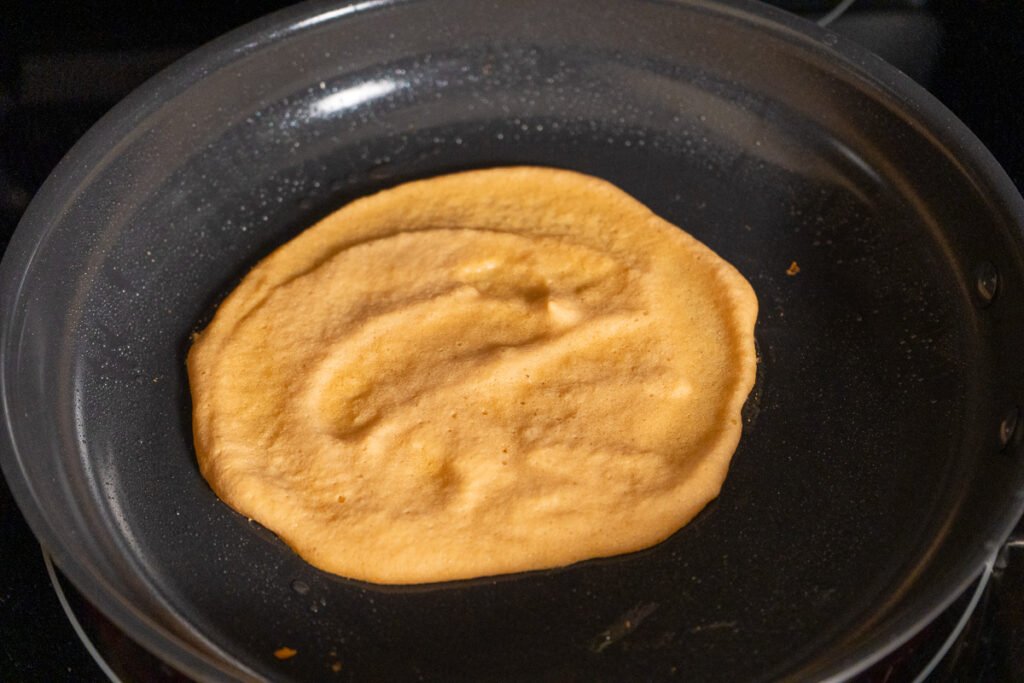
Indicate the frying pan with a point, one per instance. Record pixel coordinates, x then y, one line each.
878 469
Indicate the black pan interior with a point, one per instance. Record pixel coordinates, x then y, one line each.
869 483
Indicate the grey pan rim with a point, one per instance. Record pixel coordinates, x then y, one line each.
947 131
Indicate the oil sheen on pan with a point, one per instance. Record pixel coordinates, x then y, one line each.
481 373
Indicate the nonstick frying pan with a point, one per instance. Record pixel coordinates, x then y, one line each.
878 468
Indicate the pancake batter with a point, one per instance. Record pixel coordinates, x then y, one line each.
481 373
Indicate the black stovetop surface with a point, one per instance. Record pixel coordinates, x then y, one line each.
63 65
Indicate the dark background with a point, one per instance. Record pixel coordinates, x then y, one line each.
62 66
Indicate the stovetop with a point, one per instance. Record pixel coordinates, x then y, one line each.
62 66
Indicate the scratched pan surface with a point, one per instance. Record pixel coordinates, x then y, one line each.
869 485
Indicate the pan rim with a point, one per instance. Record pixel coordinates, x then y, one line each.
74 169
